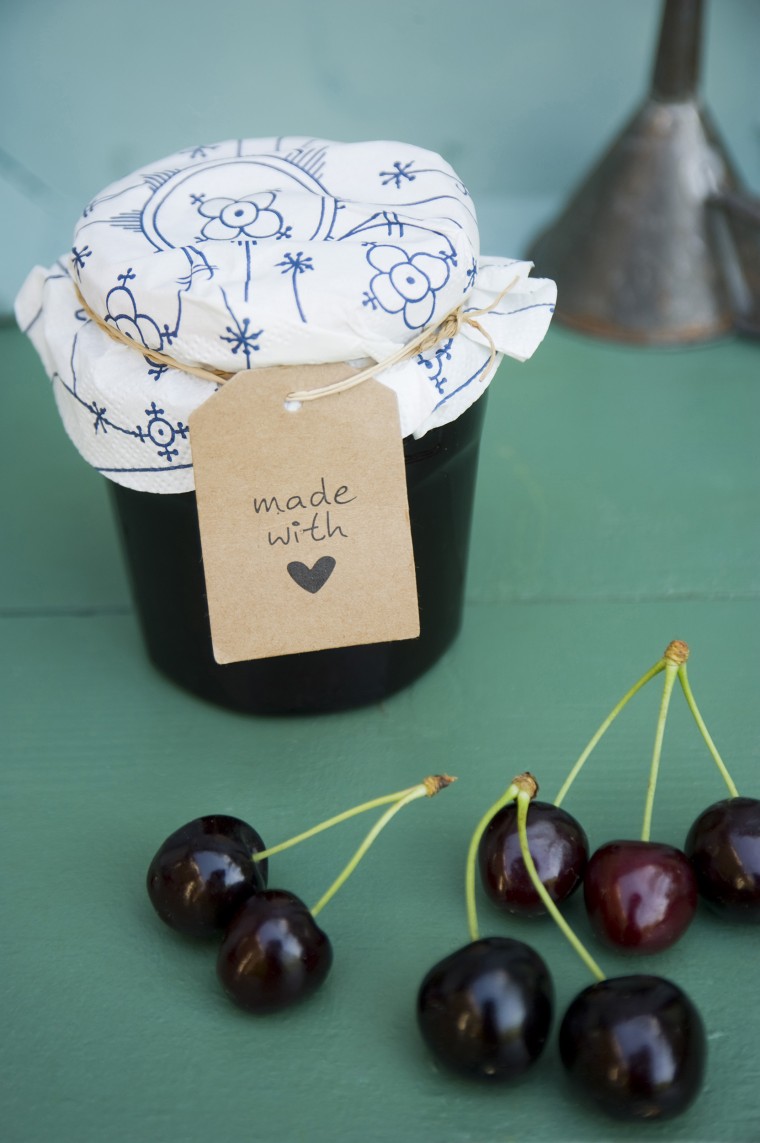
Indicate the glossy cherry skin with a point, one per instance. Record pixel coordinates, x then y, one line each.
723 846
558 846
635 1046
640 896
485 1011
273 954
203 873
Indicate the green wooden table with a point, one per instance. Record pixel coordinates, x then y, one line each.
617 509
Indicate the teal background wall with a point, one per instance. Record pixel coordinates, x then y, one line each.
519 95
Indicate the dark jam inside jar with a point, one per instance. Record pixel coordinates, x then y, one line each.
163 551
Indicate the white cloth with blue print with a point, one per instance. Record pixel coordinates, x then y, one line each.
266 252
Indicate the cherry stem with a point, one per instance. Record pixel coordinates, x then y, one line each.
650 674
671 671
329 822
425 789
684 680
523 802
472 855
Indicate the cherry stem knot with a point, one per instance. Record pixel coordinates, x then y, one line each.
677 652
523 802
434 783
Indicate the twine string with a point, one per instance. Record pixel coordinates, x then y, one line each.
427 339
205 372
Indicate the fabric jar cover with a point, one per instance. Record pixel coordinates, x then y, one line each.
262 252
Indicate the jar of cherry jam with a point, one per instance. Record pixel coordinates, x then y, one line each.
259 253
441 471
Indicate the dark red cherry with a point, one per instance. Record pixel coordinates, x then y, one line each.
273 954
723 846
485 1010
640 895
635 1046
203 873
558 846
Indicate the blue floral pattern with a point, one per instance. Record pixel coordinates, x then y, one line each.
249 217
407 284
121 311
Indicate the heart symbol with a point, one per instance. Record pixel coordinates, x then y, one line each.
312 579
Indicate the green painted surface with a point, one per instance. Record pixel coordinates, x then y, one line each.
617 509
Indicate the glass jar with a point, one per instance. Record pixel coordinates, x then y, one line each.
170 594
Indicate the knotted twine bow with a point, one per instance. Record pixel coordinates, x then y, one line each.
428 338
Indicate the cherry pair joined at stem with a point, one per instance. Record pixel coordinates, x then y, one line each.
209 878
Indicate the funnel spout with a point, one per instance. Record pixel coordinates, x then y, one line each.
677 60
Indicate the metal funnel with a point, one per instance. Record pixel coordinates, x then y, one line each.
634 252
741 264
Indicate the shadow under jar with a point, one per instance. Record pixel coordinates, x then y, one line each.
163 551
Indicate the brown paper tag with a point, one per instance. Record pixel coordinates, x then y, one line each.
303 515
